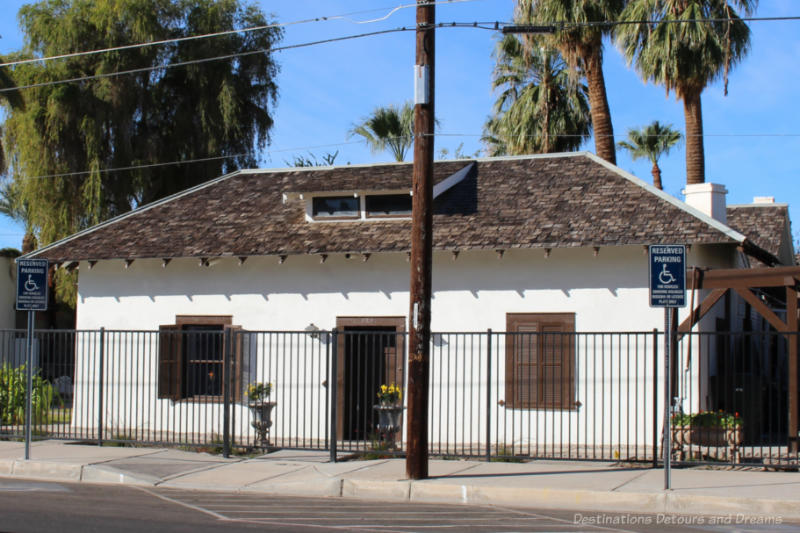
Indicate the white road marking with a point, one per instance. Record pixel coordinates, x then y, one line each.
256 509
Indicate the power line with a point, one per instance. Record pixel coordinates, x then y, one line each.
335 145
184 161
204 60
344 17
492 26
136 167
609 135
554 26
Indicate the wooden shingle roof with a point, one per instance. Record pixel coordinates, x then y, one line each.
563 200
766 225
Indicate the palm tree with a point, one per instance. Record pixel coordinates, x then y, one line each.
685 57
651 142
581 47
389 128
541 108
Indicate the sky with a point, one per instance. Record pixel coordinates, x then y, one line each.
752 143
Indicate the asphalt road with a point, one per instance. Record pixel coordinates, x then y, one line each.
30 506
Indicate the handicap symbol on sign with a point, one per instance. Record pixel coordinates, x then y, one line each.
665 276
31 285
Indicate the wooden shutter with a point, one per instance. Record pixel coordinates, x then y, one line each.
540 361
551 375
526 365
169 362
236 366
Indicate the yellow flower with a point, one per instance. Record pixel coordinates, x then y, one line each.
383 388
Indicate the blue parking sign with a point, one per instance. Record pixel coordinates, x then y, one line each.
32 284
667 275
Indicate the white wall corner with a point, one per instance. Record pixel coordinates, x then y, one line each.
709 198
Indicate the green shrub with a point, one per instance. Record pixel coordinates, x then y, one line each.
707 419
12 395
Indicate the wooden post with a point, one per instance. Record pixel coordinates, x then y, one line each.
421 247
794 401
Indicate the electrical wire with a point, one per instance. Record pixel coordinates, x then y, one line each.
611 135
184 161
344 17
204 60
327 145
492 26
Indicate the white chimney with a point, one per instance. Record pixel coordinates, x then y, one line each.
763 199
708 198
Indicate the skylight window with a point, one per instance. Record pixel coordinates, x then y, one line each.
388 205
336 207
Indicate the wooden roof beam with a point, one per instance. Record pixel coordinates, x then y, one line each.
701 310
765 311
730 278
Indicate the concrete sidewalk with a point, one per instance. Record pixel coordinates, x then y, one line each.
540 484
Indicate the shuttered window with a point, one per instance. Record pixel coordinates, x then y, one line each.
540 361
191 358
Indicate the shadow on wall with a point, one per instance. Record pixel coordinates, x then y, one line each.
518 270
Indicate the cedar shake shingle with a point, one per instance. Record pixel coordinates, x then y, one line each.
763 224
566 200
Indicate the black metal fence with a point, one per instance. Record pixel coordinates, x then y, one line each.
532 394
731 399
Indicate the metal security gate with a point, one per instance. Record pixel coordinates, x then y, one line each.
732 399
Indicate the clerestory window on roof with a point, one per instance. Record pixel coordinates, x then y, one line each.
336 207
359 206
388 205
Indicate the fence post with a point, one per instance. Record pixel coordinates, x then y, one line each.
226 394
332 380
655 397
488 394
100 385
327 386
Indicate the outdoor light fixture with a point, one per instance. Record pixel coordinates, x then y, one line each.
313 331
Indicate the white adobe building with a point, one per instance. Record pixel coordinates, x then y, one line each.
553 243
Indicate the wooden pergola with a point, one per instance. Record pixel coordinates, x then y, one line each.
742 282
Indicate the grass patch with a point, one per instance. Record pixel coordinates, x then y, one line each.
506 455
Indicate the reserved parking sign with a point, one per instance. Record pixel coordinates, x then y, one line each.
32 284
667 275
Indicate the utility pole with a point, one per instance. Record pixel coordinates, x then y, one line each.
421 245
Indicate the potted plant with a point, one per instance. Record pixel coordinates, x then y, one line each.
708 428
389 408
261 409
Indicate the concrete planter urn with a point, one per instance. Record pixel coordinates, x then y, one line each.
700 441
261 413
389 417
708 436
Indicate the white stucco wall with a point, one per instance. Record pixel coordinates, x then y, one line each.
607 293
472 293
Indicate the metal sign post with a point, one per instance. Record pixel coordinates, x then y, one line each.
31 297
667 290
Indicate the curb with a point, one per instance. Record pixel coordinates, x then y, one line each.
47 470
561 499
429 492
72 472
